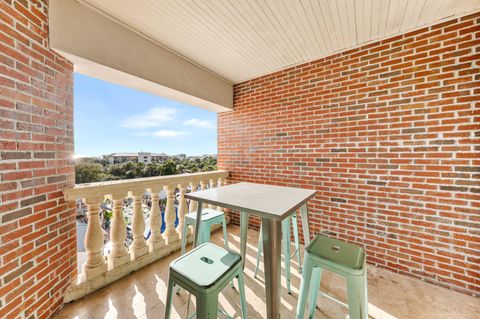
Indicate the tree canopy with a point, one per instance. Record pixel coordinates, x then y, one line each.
99 170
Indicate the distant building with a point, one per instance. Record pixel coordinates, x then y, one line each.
141 157
180 156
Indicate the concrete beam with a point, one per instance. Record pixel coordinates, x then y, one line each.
102 48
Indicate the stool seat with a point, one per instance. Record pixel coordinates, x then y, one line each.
204 272
337 252
206 264
207 214
342 258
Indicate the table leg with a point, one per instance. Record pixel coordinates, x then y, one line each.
243 235
197 224
272 254
305 224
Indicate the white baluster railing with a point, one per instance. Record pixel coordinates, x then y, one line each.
156 240
182 207
95 263
118 232
101 267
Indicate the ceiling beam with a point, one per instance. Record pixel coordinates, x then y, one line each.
104 49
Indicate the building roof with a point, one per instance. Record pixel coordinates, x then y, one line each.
135 154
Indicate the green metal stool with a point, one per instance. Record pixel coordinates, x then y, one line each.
342 258
204 272
286 247
209 217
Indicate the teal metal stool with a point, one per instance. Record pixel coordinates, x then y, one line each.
209 217
204 272
342 258
286 247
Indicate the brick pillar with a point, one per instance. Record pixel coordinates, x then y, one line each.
37 227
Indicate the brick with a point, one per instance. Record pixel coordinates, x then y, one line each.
32 200
389 134
36 125
16 214
15 155
17 272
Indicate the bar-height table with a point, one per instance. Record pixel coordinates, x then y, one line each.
272 204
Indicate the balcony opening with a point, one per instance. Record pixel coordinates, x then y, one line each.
123 134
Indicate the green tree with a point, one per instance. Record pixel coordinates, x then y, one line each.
168 168
88 173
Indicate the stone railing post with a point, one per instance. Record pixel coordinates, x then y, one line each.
118 233
182 207
170 233
156 240
95 263
139 247
193 204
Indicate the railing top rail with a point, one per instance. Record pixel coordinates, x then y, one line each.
136 185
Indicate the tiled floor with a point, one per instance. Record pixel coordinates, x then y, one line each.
143 295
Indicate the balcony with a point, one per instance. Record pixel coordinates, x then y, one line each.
372 104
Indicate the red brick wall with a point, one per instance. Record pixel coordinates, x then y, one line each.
388 135
37 228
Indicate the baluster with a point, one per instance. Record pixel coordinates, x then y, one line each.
118 232
95 263
193 204
182 207
139 245
156 239
170 233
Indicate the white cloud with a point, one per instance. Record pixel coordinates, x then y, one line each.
199 123
169 133
154 117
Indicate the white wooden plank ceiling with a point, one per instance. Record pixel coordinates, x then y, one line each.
244 39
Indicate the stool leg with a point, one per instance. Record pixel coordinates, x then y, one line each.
314 287
365 292
184 237
168 304
225 236
259 251
243 235
241 289
357 309
184 245
296 241
304 287
205 229
286 250
207 306
225 240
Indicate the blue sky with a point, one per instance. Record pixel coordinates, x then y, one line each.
111 118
